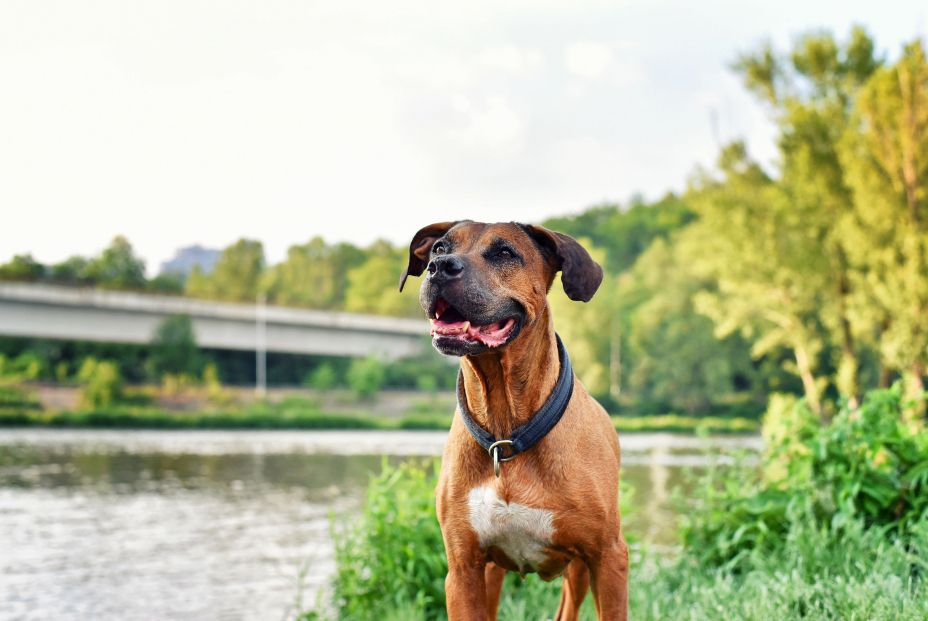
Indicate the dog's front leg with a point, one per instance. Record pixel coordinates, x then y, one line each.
466 591
610 581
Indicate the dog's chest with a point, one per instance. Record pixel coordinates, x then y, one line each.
521 532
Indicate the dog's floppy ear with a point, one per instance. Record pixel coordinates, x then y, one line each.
421 246
580 274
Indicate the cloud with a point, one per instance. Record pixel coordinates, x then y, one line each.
588 59
511 59
493 124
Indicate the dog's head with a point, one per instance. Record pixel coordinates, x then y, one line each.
486 283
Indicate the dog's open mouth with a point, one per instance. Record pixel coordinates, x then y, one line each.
448 322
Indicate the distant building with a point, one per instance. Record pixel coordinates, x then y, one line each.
185 259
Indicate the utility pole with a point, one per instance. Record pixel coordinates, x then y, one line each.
261 346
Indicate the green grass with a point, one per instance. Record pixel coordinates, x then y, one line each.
308 416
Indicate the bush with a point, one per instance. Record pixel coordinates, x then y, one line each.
866 468
365 376
102 383
322 378
174 348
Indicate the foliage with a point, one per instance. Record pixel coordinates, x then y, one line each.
117 268
885 153
865 467
625 233
236 276
174 348
323 377
393 555
22 267
372 285
856 574
366 376
101 383
313 274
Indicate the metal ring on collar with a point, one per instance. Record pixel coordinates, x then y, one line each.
494 451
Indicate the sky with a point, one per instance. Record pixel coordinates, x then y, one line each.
176 122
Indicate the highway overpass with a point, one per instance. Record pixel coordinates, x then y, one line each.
54 312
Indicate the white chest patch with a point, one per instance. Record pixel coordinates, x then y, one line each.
521 532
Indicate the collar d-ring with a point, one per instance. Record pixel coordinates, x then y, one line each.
494 451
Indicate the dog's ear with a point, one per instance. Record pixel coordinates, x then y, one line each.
421 246
580 274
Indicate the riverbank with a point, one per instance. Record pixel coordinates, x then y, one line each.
306 417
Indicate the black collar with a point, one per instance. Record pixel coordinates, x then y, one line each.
529 434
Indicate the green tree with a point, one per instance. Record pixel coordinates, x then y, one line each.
886 154
811 92
372 284
770 274
22 267
174 348
675 358
323 377
366 376
236 277
313 275
623 234
71 271
117 267
102 383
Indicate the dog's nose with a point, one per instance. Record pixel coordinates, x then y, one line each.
447 267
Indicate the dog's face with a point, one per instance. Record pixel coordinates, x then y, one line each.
486 283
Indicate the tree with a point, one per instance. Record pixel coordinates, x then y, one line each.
811 93
117 267
366 376
753 242
71 271
675 358
102 383
886 154
313 275
22 267
174 348
235 278
623 234
372 284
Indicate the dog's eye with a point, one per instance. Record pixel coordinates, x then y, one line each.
505 253
438 249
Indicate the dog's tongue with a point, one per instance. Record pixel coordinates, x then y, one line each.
492 335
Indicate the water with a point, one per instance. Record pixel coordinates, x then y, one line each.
139 525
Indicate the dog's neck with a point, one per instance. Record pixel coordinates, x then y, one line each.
505 388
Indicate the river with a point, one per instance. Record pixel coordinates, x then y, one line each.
159 525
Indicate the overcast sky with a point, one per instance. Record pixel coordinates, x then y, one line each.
180 122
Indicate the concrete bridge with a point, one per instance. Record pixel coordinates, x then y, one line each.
53 312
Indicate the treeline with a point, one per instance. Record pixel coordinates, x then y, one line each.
816 272
809 278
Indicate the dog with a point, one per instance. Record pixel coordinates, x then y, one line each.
530 473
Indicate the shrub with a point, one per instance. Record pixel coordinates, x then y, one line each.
865 467
322 378
365 376
102 383
174 348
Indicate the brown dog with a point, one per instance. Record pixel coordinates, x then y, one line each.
552 509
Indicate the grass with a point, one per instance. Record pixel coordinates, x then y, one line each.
19 409
145 418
